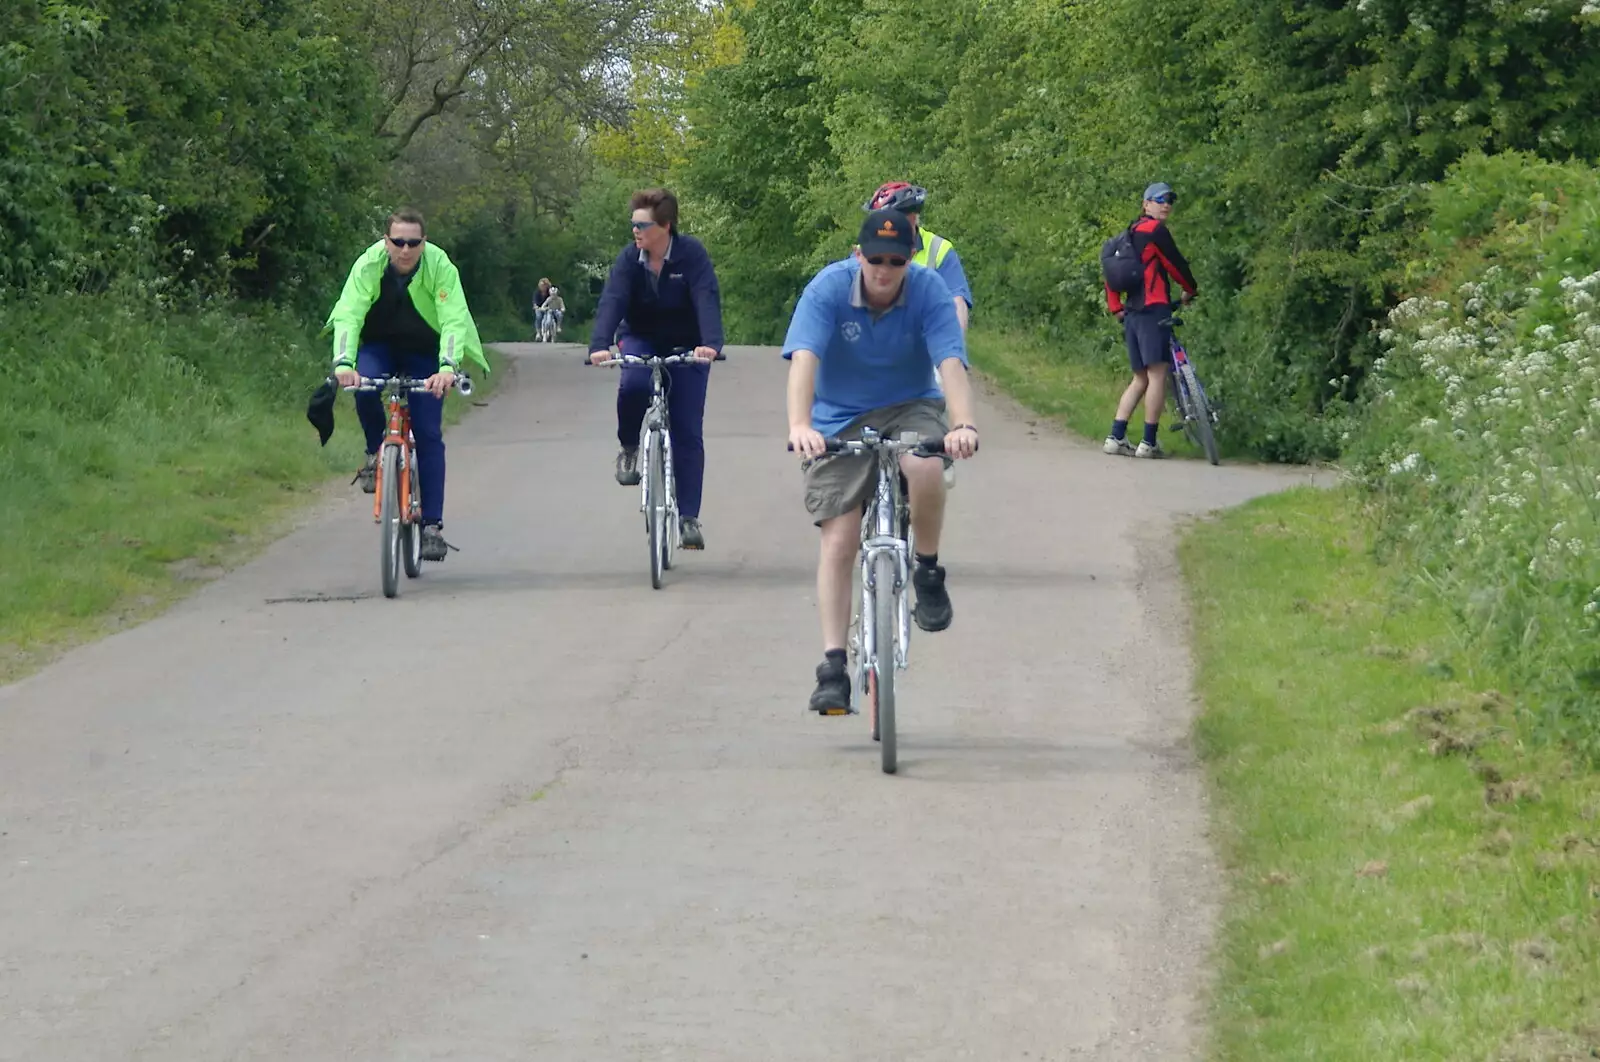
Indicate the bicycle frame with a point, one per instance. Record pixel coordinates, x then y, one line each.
655 431
397 391
656 424
880 524
1179 383
398 433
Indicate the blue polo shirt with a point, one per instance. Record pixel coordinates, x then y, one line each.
871 360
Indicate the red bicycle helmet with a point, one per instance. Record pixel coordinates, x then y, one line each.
898 195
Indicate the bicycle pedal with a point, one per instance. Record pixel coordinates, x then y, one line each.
836 711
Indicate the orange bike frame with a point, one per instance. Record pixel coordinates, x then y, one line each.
399 433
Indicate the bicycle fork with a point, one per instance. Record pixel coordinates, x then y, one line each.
882 542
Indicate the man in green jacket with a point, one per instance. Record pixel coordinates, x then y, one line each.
402 311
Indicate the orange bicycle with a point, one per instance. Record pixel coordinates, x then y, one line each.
397 505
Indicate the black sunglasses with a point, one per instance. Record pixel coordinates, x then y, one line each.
405 243
895 261
1168 198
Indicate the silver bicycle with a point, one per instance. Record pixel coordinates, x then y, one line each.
881 629
658 487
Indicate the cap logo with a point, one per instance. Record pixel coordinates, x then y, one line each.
887 229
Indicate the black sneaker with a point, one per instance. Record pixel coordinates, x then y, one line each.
628 467
933 609
434 547
832 695
367 475
689 534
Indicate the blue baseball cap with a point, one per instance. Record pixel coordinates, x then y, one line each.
1159 189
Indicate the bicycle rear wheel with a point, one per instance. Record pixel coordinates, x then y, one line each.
389 519
656 511
1197 417
411 527
886 620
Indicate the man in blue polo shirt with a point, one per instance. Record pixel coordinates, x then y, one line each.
863 345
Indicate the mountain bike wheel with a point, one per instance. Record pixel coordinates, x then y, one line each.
389 519
656 506
881 680
411 527
1197 417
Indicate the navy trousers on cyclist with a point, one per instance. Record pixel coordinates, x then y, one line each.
377 359
686 414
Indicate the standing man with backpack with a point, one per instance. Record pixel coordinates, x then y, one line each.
1138 264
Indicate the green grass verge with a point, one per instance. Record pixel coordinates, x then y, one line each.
146 451
1076 386
1407 877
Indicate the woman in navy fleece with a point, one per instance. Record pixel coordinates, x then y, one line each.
662 294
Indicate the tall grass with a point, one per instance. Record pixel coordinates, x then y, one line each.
1482 444
140 446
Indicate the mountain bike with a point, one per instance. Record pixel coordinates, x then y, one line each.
1199 416
658 487
881 630
397 505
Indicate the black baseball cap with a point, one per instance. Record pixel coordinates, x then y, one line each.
886 232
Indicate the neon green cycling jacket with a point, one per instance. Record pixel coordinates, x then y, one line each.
436 293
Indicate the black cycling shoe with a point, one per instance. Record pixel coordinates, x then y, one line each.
628 467
933 611
832 695
690 535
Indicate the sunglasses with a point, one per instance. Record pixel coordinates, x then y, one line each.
405 243
1169 198
892 261
640 226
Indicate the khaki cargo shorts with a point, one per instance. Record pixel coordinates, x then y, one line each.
840 483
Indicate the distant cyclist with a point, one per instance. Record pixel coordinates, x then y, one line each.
554 308
1147 306
662 294
402 311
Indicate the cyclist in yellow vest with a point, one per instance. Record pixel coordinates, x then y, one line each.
933 251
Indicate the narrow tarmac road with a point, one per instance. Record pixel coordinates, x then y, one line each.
533 809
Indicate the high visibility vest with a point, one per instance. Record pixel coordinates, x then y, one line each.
933 250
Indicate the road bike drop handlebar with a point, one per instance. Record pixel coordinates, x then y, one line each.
462 383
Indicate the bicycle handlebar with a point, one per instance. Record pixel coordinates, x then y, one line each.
463 383
671 359
921 448
675 356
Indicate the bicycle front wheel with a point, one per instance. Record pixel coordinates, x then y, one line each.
1198 413
656 511
389 519
669 505
886 620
